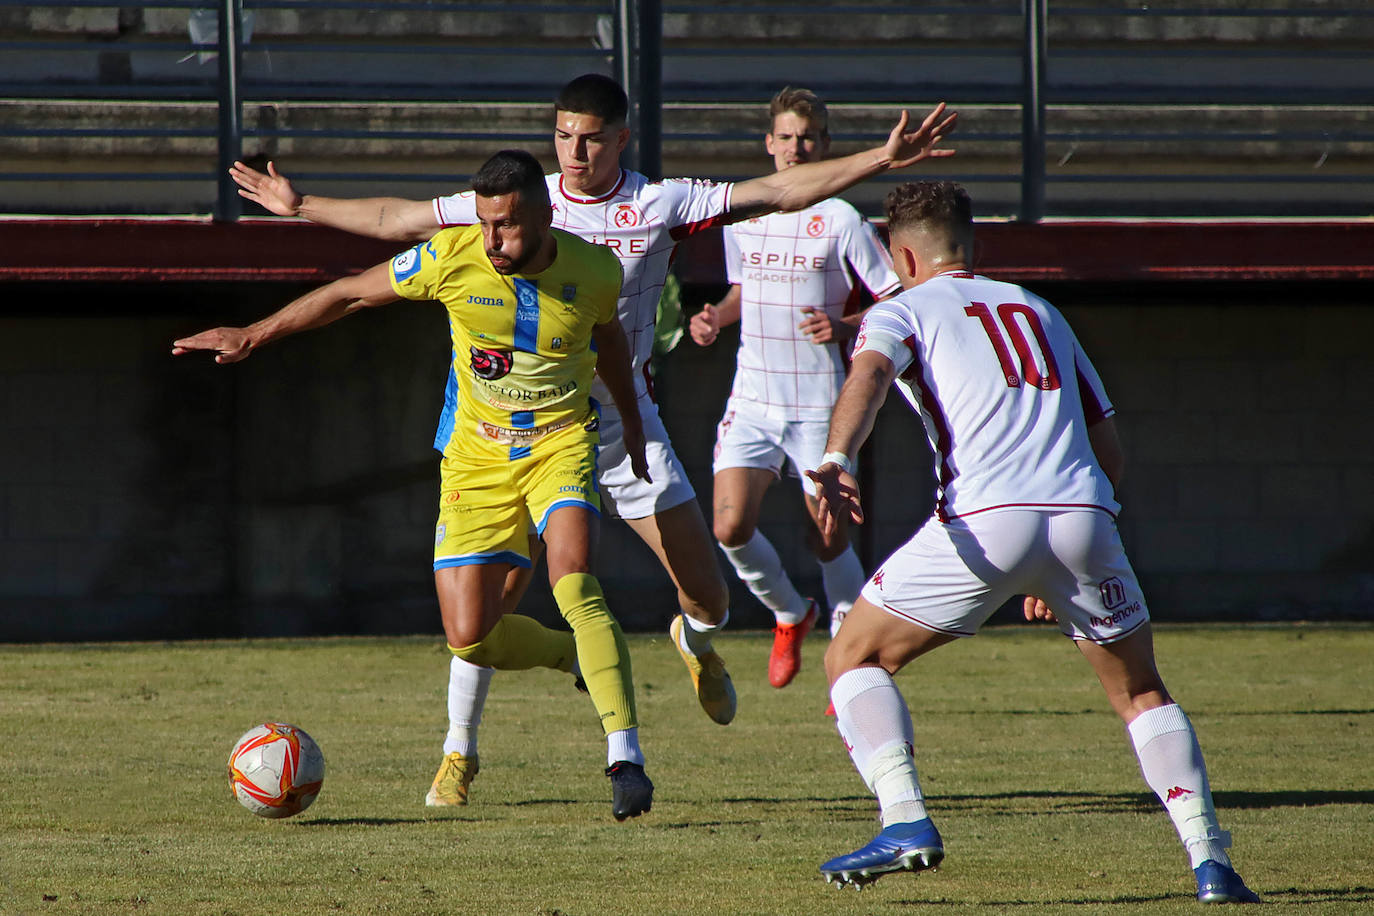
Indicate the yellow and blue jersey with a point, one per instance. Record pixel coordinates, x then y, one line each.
523 357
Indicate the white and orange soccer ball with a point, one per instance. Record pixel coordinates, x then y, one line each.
276 770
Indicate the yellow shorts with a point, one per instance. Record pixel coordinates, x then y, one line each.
486 506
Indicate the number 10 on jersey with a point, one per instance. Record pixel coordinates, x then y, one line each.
1006 318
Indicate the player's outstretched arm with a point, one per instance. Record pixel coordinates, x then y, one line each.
851 422
805 184
613 365
706 324
315 309
392 218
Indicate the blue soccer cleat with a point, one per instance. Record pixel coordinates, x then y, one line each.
910 846
1217 883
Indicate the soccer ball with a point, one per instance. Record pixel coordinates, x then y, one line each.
276 770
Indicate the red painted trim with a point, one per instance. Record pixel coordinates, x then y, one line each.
280 250
620 183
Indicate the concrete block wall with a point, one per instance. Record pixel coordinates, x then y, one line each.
145 496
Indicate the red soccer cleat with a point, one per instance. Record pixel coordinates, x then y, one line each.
785 660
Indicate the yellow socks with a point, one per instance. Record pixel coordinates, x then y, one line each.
518 642
602 654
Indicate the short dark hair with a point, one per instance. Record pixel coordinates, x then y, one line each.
944 204
596 95
511 171
801 102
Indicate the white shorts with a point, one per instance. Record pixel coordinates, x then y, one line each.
744 439
951 576
623 495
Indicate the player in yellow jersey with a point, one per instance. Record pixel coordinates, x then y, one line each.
532 311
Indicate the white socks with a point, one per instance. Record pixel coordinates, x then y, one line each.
1172 764
843 578
467 694
695 636
624 745
873 720
758 566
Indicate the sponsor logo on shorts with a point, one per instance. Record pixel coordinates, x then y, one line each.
1113 593
573 489
486 300
878 578
491 364
439 534
452 496
1117 619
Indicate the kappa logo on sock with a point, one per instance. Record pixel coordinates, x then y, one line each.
1177 792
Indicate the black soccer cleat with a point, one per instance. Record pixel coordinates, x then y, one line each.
631 791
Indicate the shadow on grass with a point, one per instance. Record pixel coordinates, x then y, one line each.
1350 895
371 821
1012 904
1103 802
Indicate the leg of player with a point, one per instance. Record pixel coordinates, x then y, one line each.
679 538
467 695
1170 759
739 493
483 636
603 656
841 572
874 722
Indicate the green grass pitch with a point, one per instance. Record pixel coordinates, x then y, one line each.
112 760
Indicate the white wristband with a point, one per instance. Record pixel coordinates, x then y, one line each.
838 458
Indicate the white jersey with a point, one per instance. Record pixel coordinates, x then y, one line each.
785 263
641 221
1005 390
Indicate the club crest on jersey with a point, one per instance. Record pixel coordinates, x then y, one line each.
816 227
569 292
491 364
626 217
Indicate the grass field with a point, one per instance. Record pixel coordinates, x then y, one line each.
112 760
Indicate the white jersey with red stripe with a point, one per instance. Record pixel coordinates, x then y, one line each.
1005 391
641 221
784 263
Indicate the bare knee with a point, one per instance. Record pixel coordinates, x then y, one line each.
731 530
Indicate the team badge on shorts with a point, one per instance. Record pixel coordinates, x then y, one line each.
440 533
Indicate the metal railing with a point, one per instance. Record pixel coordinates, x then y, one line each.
1044 80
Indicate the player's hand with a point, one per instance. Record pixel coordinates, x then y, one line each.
705 325
229 344
634 447
820 327
272 191
906 147
1034 609
837 493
